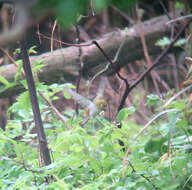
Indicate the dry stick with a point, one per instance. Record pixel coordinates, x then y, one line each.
162 82
80 67
52 33
11 59
43 147
160 57
64 43
179 19
118 74
145 50
107 65
128 88
164 9
55 110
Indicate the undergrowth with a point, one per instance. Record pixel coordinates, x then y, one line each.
89 156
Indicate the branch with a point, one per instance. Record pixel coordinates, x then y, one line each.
161 56
62 64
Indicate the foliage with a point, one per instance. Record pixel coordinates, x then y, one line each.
68 11
89 157
165 41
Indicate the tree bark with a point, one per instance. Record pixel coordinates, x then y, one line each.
63 64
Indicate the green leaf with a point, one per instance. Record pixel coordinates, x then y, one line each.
32 50
124 113
96 166
155 145
18 74
107 147
92 186
24 101
165 41
69 10
99 4
4 81
38 65
180 42
17 51
152 99
177 104
66 95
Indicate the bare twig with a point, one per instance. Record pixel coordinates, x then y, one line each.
65 43
11 59
80 67
179 19
164 9
118 74
160 57
145 50
107 65
52 33
55 110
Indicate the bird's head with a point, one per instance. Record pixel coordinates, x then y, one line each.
101 104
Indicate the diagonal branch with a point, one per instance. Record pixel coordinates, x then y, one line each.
160 57
62 64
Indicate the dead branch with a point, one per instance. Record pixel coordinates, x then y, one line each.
63 65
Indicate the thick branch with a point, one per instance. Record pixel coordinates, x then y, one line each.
62 64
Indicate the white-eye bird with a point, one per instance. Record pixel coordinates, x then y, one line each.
92 107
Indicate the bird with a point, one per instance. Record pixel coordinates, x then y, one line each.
92 107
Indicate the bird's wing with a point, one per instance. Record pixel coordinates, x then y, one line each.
81 100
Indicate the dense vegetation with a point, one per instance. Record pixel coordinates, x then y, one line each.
89 155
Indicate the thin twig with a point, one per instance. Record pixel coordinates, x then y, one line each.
160 57
179 18
107 65
80 67
52 33
65 43
164 9
145 49
118 74
11 59
55 110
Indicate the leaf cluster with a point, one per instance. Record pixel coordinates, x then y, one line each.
89 157
68 11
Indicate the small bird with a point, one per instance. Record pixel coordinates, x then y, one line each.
92 107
